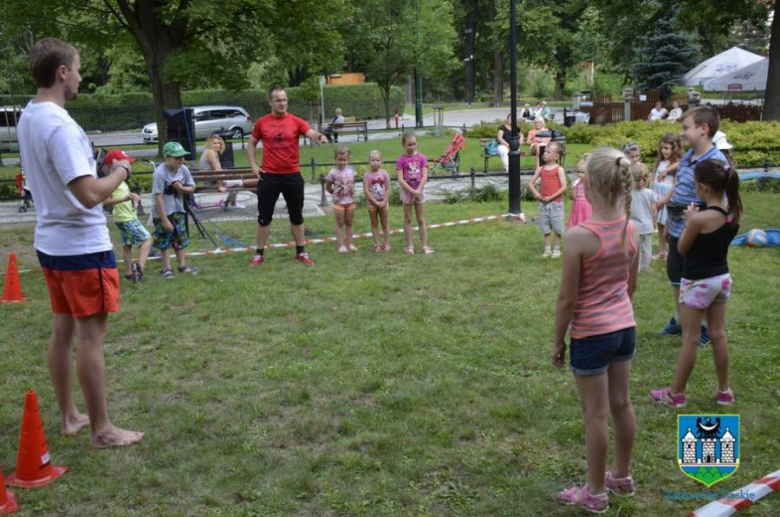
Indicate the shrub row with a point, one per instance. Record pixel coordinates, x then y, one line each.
754 142
133 110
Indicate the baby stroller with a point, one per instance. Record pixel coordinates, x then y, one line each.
450 160
24 193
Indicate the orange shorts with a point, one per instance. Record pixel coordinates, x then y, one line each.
82 285
341 208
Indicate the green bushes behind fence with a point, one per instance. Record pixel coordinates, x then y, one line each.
754 142
96 112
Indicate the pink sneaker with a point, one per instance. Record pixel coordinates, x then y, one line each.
582 497
725 398
664 397
620 486
257 260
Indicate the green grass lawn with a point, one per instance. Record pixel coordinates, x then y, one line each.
376 384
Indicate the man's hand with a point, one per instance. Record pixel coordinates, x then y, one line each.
122 164
256 172
322 139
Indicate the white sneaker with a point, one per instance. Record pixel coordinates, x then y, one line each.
547 253
556 253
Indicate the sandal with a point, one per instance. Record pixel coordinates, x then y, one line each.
387 247
138 270
167 274
192 270
378 248
427 250
409 250
131 277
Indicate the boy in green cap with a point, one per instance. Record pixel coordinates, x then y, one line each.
172 179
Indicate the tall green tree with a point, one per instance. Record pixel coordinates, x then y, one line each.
388 39
664 58
213 42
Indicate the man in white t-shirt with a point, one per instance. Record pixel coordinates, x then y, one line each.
71 238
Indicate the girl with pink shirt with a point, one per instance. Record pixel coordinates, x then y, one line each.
377 189
412 170
580 206
600 265
340 182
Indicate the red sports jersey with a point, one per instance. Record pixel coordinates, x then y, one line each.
281 153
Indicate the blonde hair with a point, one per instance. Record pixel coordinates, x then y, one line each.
375 152
210 143
342 149
557 147
610 180
639 174
583 161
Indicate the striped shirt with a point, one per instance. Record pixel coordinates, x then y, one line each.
685 189
603 305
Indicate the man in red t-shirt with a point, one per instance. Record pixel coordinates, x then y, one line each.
280 171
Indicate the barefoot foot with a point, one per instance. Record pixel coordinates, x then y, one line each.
115 437
73 424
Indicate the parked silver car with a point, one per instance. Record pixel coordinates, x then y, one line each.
211 119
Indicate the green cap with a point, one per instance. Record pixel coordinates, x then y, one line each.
174 149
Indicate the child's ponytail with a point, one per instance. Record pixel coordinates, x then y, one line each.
722 178
624 170
732 192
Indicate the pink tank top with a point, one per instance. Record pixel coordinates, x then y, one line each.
603 305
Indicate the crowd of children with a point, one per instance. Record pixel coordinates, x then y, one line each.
601 261
692 201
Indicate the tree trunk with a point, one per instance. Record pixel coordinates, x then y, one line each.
498 65
560 84
772 94
157 42
471 23
385 89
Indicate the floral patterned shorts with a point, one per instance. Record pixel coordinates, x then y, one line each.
700 294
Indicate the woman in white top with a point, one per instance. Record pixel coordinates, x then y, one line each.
676 113
657 113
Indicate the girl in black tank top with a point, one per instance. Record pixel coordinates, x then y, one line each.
706 282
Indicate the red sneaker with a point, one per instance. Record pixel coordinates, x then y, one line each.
257 260
304 258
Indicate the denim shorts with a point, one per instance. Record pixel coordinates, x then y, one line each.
591 355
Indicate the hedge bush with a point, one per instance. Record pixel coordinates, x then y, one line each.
754 142
133 110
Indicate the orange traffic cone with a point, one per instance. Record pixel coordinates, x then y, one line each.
13 289
33 465
7 499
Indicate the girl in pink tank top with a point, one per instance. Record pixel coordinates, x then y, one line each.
600 265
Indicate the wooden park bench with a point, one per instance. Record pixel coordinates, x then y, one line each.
483 142
359 126
208 181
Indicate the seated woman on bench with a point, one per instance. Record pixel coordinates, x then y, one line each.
537 143
209 161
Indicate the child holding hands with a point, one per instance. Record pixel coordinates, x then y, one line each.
376 187
340 182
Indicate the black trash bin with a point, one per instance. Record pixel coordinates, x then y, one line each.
226 158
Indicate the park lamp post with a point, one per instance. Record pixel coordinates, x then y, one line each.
418 90
514 142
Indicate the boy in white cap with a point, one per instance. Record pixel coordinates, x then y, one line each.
130 228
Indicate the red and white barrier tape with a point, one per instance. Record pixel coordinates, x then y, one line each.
291 244
740 499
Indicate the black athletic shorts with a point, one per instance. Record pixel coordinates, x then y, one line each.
288 185
674 262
